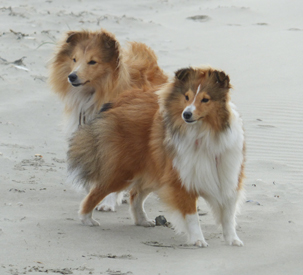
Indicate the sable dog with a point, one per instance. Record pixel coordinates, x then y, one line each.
90 68
184 141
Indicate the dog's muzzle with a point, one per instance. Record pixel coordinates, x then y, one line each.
187 115
74 80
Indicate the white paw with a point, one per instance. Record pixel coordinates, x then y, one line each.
201 243
88 220
235 241
147 223
108 203
105 207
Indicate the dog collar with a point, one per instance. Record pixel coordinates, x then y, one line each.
81 118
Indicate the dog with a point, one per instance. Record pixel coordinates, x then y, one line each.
183 141
90 68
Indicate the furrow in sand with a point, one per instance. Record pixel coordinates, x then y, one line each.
266 137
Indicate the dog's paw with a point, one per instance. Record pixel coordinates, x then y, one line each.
105 207
88 220
147 223
201 243
235 241
108 204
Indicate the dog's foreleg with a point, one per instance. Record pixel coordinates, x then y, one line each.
228 216
194 230
185 217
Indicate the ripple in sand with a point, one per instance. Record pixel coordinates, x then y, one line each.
199 18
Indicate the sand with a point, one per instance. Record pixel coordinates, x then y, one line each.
258 43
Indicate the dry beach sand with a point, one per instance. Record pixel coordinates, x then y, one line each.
258 43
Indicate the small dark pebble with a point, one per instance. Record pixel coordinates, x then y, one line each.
161 221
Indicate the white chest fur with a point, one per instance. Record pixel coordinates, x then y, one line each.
210 163
82 104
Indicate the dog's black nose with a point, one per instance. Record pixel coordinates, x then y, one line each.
187 115
72 77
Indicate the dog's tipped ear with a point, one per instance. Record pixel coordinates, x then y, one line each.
110 46
183 74
109 40
74 37
71 36
222 79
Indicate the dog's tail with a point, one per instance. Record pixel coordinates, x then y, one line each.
144 63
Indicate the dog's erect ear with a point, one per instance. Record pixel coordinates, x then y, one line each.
110 46
183 74
222 79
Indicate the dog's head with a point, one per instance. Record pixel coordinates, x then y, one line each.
91 56
199 94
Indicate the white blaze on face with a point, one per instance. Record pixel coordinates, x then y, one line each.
191 108
77 69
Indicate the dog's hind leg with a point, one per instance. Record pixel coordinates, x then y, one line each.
137 199
98 193
89 203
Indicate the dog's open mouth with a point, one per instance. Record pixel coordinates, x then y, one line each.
79 84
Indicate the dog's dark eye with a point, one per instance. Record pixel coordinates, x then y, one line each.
186 97
92 62
205 100
74 59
